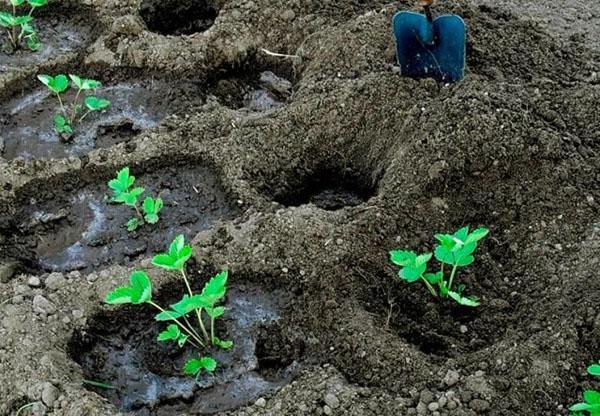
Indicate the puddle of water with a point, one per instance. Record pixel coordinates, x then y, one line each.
28 129
125 361
84 231
57 37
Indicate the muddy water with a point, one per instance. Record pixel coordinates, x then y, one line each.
127 360
28 129
80 229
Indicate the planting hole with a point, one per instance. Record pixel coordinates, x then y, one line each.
70 229
328 190
120 348
27 122
178 17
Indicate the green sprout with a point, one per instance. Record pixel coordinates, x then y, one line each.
19 27
591 397
77 112
125 193
180 330
455 250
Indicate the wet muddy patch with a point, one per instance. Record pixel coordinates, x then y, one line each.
178 17
79 229
120 348
27 121
57 35
327 189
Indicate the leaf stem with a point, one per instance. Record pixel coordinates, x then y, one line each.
62 107
84 116
452 276
431 289
74 110
198 311
14 28
212 329
185 328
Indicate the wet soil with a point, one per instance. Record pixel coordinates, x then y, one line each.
57 35
328 173
120 348
81 229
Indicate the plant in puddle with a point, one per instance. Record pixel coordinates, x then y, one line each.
76 112
19 27
591 398
125 193
455 250
179 315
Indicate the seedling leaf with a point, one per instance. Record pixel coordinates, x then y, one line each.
167 316
139 291
120 295
215 288
37 3
95 104
132 224
594 370
171 333
194 366
179 253
226 345
151 209
470 301
56 84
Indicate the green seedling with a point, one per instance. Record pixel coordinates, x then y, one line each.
124 192
19 28
455 250
68 116
179 315
591 405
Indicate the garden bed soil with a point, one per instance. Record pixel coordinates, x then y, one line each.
359 161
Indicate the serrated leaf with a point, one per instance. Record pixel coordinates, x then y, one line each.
120 295
194 366
226 345
462 234
171 333
446 240
95 104
167 316
132 224
76 80
37 3
444 255
402 257
130 198
56 84
183 256
23 20
465 261
188 304
412 274
34 44
165 261
465 301
215 312
580 407
215 288
423 259
594 369
141 287
477 235
433 278
182 340
592 397
7 20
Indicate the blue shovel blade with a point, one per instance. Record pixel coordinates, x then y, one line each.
431 49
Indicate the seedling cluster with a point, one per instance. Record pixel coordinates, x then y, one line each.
455 250
68 116
124 192
19 27
591 404
191 307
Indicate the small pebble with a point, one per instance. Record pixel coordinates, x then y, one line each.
261 402
34 281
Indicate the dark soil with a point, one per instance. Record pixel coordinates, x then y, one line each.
329 165
176 17
78 228
120 348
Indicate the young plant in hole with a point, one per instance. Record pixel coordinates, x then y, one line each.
76 112
181 314
19 28
125 193
455 250
591 405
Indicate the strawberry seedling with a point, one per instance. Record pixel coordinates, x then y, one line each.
19 27
180 330
125 193
66 118
455 250
591 405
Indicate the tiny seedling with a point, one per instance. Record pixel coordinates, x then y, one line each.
124 192
455 250
180 329
591 405
19 27
66 118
